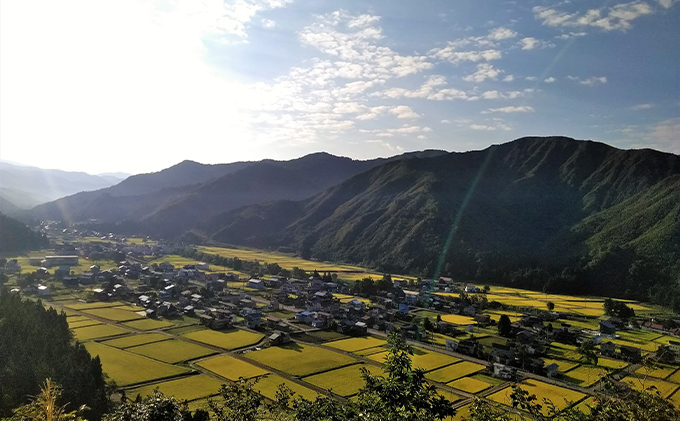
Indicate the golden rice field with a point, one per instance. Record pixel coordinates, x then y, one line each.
148 324
187 388
172 351
135 340
370 351
469 384
660 371
228 340
563 366
300 360
83 323
357 344
675 398
455 371
675 377
664 388
231 368
585 376
98 331
457 319
179 262
87 306
268 386
344 381
559 396
127 368
611 363
113 314
425 359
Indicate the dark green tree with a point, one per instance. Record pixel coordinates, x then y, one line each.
504 326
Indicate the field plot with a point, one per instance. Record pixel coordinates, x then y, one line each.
660 371
567 352
72 319
127 368
611 364
113 314
136 340
584 376
148 324
640 383
469 384
641 336
344 381
675 398
643 345
129 308
172 351
179 261
425 359
357 344
453 372
228 340
488 341
83 323
675 377
300 360
185 329
457 319
563 366
370 351
231 368
87 306
559 396
452 396
98 331
187 388
268 386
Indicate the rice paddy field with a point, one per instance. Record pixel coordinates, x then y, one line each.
584 376
187 388
113 314
457 319
344 381
172 351
469 385
659 371
127 368
421 358
87 306
228 340
98 331
300 360
563 366
357 344
454 372
136 340
82 323
148 324
231 368
664 388
268 385
560 396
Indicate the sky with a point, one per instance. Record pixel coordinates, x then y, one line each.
137 86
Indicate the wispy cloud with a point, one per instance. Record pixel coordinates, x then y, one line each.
639 107
550 80
404 111
618 17
511 109
590 81
531 43
484 71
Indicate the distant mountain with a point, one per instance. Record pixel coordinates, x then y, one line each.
16 236
25 187
114 177
534 202
169 202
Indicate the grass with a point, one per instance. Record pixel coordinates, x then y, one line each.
187 388
469 384
559 396
227 340
172 351
344 381
664 388
268 386
127 368
455 371
113 314
148 324
585 376
425 359
357 344
231 368
136 340
488 341
300 360
98 331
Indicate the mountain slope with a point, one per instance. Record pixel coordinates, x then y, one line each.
15 236
511 203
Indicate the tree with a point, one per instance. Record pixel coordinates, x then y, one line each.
385 284
427 324
550 305
504 326
487 289
588 351
45 407
155 407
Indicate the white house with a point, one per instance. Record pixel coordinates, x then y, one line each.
255 284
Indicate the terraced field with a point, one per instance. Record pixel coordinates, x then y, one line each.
357 344
187 388
136 340
455 371
114 314
148 324
172 351
98 331
231 368
559 396
344 381
228 340
300 360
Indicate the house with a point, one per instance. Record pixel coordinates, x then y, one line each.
552 370
279 338
607 328
166 267
608 349
12 266
468 347
255 284
51 261
411 297
504 372
400 283
202 266
482 319
471 289
502 354
674 346
305 317
253 319
630 353
43 291
361 328
524 337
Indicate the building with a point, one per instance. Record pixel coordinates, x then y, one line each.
607 328
255 284
51 261
504 372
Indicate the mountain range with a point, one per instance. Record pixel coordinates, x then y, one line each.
534 212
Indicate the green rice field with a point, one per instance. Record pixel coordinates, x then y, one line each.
148 324
172 351
231 368
98 331
300 360
344 381
228 340
136 340
187 388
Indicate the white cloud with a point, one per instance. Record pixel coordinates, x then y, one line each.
427 90
404 111
422 137
591 81
618 17
511 109
268 23
237 15
509 78
481 127
349 108
445 121
363 20
550 80
501 33
639 107
531 43
571 35
531 78
474 49
667 3
484 71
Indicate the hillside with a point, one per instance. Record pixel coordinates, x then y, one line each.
169 202
531 202
24 187
15 236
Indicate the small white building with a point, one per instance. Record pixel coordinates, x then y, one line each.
255 284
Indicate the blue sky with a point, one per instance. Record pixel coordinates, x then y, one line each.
137 86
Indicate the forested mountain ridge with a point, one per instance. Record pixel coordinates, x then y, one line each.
16 236
549 203
171 201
